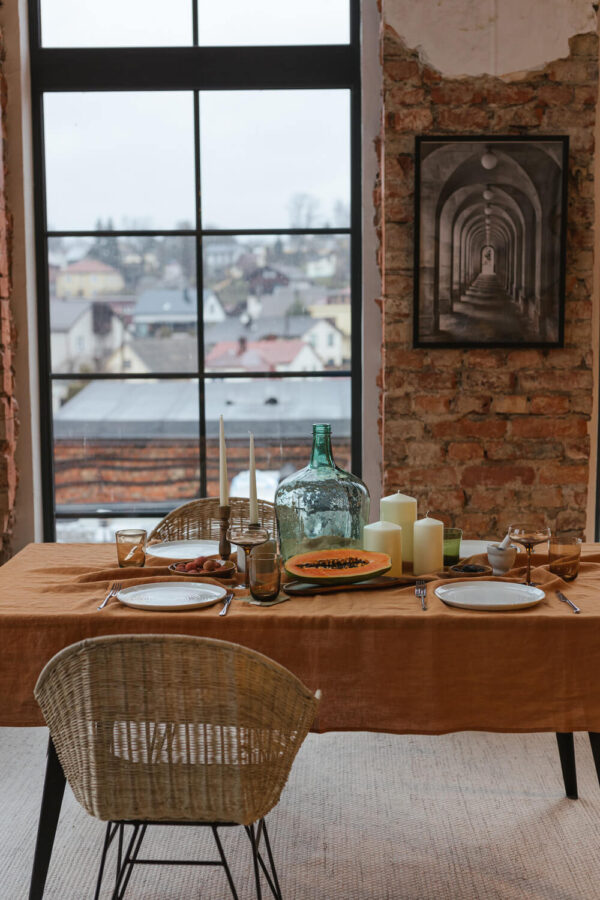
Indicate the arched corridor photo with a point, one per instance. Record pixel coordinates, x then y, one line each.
490 241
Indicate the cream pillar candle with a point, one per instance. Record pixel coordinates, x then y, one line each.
385 537
252 494
428 546
223 483
402 510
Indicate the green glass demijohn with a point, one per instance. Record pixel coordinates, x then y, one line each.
321 506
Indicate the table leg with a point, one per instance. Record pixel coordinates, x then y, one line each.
595 744
566 750
54 788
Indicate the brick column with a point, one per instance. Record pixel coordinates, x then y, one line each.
8 404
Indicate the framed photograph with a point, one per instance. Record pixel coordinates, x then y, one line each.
490 233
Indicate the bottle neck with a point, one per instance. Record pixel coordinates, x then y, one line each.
322 454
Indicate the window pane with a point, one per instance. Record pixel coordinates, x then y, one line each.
98 531
286 299
116 23
239 22
275 159
120 160
126 442
280 413
124 305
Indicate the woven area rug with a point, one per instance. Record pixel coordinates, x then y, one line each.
364 817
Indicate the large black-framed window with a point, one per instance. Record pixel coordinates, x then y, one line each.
201 372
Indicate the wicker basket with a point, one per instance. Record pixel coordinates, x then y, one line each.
173 728
200 519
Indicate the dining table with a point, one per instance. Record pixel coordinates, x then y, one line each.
382 662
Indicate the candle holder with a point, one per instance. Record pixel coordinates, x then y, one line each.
248 536
224 545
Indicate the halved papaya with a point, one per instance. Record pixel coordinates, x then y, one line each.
337 566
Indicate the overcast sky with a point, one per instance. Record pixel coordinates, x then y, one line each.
129 156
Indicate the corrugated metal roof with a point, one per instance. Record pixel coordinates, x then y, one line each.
272 408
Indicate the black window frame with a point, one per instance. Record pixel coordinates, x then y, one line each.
195 69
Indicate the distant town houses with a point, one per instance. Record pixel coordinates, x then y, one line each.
87 278
272 307
174 309
273 355
83 334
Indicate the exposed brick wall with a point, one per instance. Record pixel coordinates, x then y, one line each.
8 404
146 471
481 437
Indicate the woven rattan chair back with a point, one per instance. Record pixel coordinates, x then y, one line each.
173 728
200 519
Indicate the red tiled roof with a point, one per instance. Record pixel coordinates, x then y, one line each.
92 266
256 354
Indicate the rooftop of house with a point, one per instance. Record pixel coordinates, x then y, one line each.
273 408
260 328
64 313
170 354
90 266
257 355
174 301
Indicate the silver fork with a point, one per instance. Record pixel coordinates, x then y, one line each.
421 592
113 591
565 599
226 603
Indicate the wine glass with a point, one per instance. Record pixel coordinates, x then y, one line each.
247 536
528 536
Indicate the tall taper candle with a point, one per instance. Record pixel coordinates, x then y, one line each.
428 546
223 483
402 510
253 501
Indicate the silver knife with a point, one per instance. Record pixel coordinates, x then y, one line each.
564 599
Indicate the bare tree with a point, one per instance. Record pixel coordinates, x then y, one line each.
303 210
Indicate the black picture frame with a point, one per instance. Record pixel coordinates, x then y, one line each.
490 240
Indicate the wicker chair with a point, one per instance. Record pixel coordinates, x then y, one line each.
175 730
200 519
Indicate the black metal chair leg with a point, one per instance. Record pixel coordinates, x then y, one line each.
252 836
566 750
594 737
54 788
224 861
271 860
111 830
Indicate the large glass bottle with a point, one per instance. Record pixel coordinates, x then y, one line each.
321 506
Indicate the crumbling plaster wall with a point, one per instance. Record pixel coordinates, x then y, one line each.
483 436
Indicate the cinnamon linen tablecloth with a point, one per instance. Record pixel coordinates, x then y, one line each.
381 662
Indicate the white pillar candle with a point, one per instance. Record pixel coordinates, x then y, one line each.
428 546
401 510
223 483
253 500
385 537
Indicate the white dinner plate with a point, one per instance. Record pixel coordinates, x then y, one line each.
183 549
471 548
494 596
172 595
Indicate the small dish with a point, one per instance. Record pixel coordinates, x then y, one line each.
470 570
501 561
227 570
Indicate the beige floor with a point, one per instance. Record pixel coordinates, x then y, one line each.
364 817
